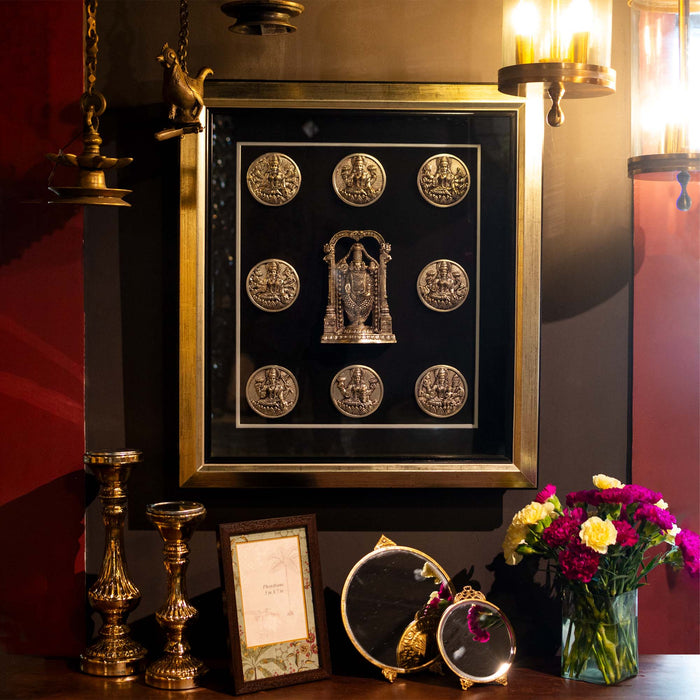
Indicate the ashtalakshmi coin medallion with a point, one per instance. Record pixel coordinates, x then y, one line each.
359 179
443 180
272 391
273 285
443 285
273 179
441 391
357 391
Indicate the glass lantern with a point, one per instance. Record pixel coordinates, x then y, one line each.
666 92
564 44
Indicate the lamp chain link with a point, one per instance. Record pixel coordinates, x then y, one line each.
184 34
91 39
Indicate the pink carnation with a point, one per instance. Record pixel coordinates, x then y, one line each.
478 632
626 534
578 562
689 544
564 528
546 493
587 496
656 515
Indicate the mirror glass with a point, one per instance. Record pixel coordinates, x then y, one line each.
382 595
476 640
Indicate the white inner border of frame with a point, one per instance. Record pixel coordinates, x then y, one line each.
341 426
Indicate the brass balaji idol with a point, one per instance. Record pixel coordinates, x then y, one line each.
359 179
357 290
441 391
443 180
113 595
443 285
273 285
274 179
272 391
357 391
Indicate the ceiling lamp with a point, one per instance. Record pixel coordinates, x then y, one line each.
666 92
564 44
91 165
262 17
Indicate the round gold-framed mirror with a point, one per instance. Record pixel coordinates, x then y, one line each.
391 604
476 640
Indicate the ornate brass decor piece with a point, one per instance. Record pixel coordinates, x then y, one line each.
441 391
274 179
443 180
357 391
356 290
176 669
417 645
182 92
273 285
262 17
272 391
359 179
91 188
113 595
443 285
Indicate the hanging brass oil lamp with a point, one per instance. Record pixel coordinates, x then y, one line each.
91 165
262 17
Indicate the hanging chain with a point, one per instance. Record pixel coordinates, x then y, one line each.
91 39
184 34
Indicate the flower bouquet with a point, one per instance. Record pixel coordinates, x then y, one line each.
601 548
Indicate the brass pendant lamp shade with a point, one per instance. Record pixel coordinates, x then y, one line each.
262 17
563 44
91 187
666 93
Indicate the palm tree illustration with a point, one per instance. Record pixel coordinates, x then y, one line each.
285 558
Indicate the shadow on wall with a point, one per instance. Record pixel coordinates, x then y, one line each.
40 589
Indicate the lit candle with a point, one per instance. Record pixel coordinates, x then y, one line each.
525 21
579 20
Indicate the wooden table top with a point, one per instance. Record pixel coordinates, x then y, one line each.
667 676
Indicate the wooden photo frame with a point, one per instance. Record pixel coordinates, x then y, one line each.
228 340
274 602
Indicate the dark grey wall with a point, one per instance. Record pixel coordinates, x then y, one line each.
131 292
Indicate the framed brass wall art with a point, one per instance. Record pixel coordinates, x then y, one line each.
359 286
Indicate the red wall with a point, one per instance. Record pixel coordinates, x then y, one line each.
41 336
666 396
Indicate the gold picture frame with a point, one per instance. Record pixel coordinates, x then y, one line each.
480 124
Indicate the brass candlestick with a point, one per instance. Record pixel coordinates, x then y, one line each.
177 669
113 595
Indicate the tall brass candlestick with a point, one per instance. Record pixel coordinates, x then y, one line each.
113 595
177 669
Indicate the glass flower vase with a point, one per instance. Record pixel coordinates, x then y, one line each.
599 636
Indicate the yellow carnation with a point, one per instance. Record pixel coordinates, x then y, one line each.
661 504
600 481
671 534
514 536
598 534
532 513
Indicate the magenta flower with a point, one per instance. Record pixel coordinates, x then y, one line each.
546 493
653 514
587 496
578 562
689 544
626 534
564 528
480 634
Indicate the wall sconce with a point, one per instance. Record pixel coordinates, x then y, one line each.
91 165
564 44
666 92
262 17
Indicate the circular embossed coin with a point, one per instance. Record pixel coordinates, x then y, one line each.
273 179
443 285
273 285
357 391
359 179
441 391
272 391
443 180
